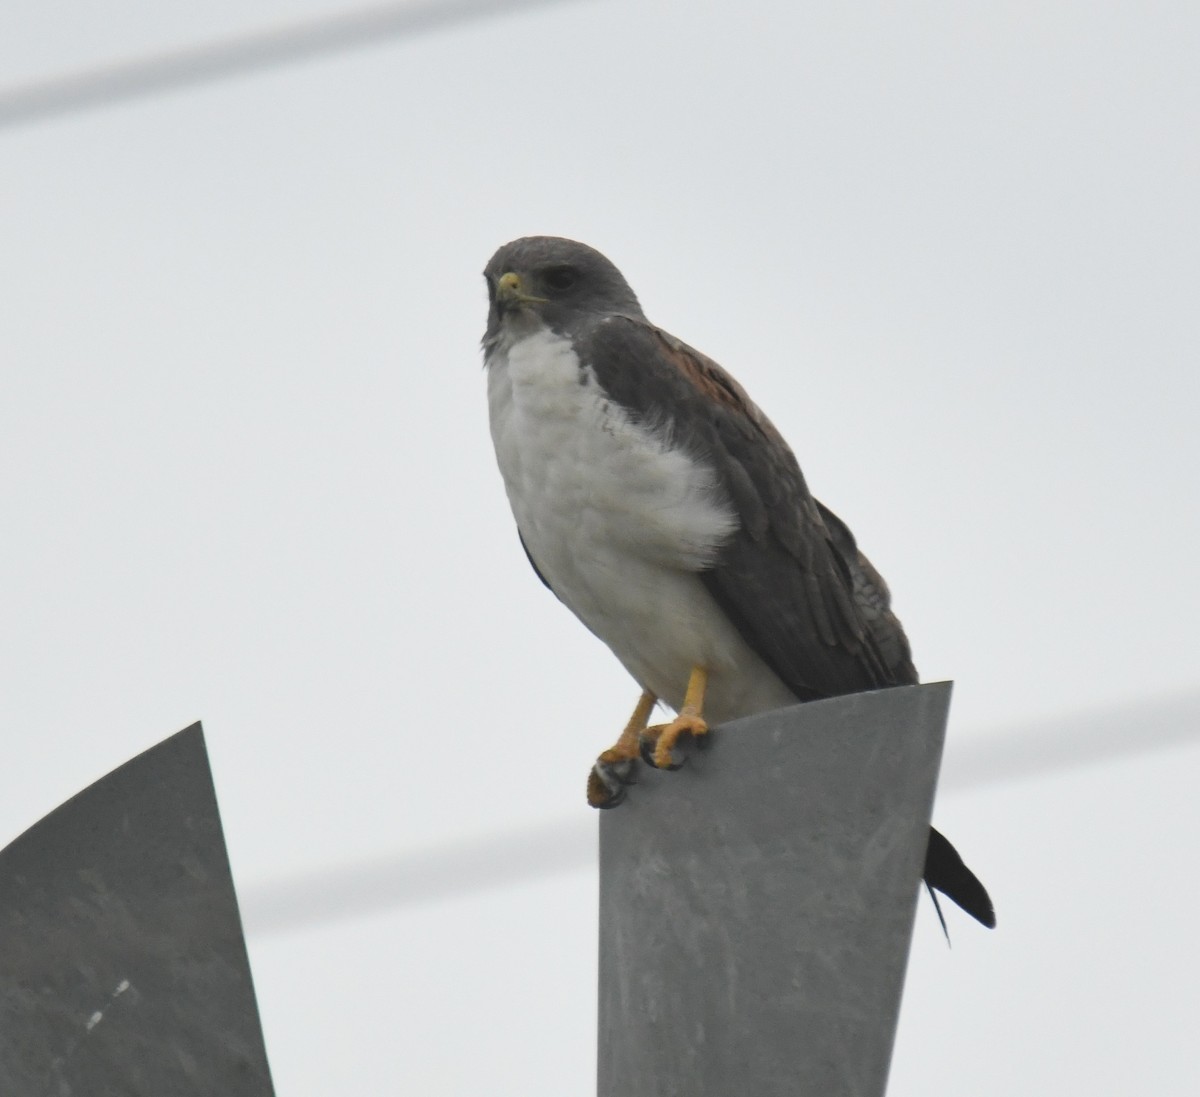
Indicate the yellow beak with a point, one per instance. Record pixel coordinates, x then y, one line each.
510 291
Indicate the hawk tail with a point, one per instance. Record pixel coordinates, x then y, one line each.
945 872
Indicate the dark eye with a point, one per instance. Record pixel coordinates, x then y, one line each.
560 278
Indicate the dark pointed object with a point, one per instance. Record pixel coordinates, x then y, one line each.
123 970
946 872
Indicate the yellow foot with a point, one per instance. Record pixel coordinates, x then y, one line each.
616 768
659 741
612 773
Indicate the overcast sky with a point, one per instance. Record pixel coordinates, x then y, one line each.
247 478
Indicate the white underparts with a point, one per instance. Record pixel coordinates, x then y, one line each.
620 523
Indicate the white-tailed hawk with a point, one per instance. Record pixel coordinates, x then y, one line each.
657 501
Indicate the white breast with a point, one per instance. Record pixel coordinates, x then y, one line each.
619 522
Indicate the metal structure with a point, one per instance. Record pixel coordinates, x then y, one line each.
123 971
756 908
756 913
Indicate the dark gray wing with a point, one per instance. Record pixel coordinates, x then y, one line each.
798 591
873 599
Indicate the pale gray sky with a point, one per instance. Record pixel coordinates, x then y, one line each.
954 253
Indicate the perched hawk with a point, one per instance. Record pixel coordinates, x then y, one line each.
657 501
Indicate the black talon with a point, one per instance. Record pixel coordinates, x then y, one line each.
623 772
615 778
646 750
616 798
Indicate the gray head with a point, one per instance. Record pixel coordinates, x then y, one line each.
551 281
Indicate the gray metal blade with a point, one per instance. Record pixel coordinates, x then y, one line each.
123 969
756 907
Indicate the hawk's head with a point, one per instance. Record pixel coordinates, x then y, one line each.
548 281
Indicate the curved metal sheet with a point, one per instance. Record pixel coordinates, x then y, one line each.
123 969
756 908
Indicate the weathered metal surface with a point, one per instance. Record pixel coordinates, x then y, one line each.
756 907
123 971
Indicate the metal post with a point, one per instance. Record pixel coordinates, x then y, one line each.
756 907
122 964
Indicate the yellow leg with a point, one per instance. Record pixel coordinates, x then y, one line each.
690 720
693 697
609 774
